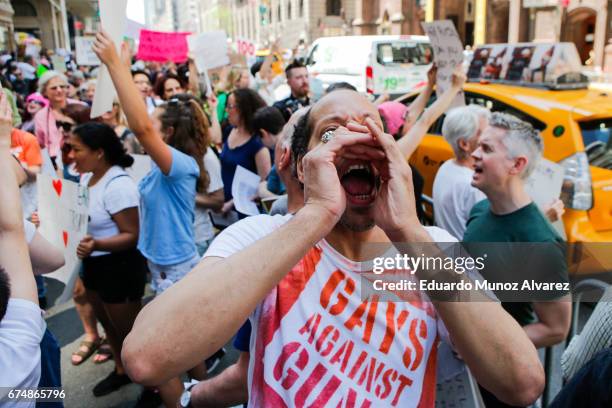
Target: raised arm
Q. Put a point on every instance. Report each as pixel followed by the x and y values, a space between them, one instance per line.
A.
pixel 418 105
pixel 14 257
pixel 411 140
pixel 132 103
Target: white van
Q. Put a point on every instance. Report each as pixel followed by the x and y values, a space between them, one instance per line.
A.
pixel 375 64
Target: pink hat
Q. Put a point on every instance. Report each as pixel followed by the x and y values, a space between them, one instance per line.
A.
pixel 37 97
pixel 394 114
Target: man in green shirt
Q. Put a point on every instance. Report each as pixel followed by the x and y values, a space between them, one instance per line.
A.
pixel 520 244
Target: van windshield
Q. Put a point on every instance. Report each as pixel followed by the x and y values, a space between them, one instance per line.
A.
pixel 597 137
pixel 402 52
pixel 339 58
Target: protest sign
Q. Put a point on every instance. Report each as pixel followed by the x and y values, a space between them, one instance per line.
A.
pixel 448 54
pixel 544 187
pixel 245 47
pixel 63 208
pixel 244 188
pixel 112 18
pixel 84 53
pixel 140 168
pixel 209 50
pixel 162 46
pixel 59 63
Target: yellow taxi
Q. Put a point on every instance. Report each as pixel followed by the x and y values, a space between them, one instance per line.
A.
pixel 576 126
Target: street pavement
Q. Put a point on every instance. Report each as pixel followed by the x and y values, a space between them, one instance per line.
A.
pixel 78 381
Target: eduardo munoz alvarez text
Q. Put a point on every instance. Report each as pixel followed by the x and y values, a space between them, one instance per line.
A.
pixel 457 264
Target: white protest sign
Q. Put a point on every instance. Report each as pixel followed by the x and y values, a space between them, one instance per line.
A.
pixel 59 63
pixel 84 53
pixel 113 20
pixel 140 168
pixel 544 187
pixel 63 208
pixel 244 188
pixel 209 50
pixel 448 53
pixel 47 164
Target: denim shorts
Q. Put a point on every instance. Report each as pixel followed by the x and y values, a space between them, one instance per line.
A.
pixel 164 276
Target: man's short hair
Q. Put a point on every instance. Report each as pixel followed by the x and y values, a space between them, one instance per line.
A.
pixel 460 123
pixel 340 85
pixel 5 292
pixel 300 139
pixel 141 72
pixel 521 139
pixel 295 64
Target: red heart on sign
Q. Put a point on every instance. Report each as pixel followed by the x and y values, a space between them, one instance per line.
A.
pixel 65 236
pixel 57 186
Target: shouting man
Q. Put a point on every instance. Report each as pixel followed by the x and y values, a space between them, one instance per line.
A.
pixel 315 340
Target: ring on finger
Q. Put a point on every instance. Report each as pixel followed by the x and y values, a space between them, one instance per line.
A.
pixel 327 136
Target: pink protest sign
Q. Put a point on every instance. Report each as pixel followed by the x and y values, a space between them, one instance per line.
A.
pixel 162 47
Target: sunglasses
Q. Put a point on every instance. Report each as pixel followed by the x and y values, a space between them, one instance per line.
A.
pixel 66 126
pixel 55 88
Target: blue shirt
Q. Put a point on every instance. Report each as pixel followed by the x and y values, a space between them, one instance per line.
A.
pixel 275 184
pixel 243 155
pixel 167 204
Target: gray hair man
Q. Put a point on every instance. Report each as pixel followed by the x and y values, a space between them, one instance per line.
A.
pixel 453 194
pixel 508 152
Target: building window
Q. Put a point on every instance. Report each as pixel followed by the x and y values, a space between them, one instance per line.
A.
pixel 289 9
pixel 279 16
pixel 334 7
pixel 301 8
pixel 23 8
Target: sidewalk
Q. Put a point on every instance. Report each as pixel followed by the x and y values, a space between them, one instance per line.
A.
pixel 78 381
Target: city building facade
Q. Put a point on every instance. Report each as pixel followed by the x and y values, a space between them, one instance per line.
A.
pixel 55 23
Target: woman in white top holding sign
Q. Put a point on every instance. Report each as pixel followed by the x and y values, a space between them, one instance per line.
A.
pixel 114 272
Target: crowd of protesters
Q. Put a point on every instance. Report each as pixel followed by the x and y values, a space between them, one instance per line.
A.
pixel 281 284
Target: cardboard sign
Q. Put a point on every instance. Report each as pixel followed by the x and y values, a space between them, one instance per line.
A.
pixel 523 63
pixel 112 19
pixel 448 54
pixel 84 53
pixel 209 50
pixel 63 209
pixel 544 187
pixel 162 47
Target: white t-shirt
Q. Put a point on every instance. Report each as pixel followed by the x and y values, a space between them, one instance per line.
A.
pixel 114 192
pixel 202 225
pixel 21 331
pixel 314 342
pixel 454 197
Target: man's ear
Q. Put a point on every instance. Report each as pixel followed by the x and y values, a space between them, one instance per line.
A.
pixel 464 145
pixel 300 170
pixel 520 164
pixel 284 160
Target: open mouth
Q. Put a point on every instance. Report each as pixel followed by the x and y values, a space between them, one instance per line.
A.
pixel 477 171
pixel 359 183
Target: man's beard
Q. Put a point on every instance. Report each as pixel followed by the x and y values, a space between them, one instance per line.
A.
pixel 359 224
